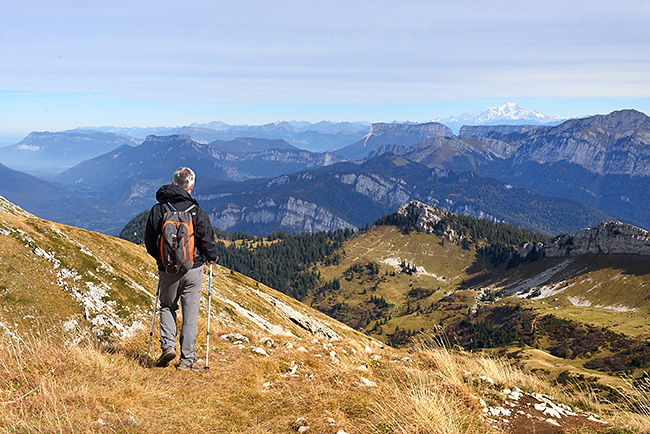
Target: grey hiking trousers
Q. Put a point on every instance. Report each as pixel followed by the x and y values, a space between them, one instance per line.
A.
pixel 186 288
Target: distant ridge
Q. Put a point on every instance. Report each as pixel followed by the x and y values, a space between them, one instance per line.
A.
pixel 507 114
pixel 48 153
pixel 401 134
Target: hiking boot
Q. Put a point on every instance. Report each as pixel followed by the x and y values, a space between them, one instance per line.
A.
pixel 188 367
pixel 167 356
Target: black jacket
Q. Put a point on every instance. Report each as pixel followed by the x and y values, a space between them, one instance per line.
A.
pixel 205 245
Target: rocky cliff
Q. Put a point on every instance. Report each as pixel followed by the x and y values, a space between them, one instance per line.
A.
pixel 492 130
pixel 613 144
pixel 294 215
pixel 393 134
pixel 306 159
pixel 423 130
pixel 611 237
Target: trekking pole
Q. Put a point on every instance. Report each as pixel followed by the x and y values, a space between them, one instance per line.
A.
pixel 153 318
pixel 207 344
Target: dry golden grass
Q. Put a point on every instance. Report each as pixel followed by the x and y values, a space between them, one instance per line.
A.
pixel 49 388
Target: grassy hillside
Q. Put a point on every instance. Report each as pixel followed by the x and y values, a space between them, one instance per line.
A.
pixel 440 267
pixel 75 314
pixel 588 310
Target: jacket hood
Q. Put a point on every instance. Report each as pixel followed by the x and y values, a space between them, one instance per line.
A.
pixel 173 193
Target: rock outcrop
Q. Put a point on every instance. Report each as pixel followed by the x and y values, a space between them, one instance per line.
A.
pixel 312 325
pixel 425 219
pixel 611 237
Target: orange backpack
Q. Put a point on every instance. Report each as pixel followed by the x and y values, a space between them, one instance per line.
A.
pixel 176 240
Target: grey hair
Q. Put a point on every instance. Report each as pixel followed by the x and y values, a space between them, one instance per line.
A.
pixel 184 178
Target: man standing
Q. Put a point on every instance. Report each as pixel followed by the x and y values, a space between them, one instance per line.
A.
pixel 185 287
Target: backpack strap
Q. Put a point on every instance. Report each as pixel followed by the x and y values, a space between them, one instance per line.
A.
pixel 173 208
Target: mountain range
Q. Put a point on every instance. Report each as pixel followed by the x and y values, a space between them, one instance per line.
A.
pixel 602 160
pixel 352 195
pixel 263 184
pixel 316 137
pixel 507 114
pixel 47 153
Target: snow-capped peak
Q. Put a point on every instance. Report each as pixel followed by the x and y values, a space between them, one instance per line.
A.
pixel 508 113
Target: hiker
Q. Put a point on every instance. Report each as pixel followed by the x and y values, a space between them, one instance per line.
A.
pixel 182 285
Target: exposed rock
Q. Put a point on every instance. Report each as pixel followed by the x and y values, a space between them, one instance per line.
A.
pixel 417 130
pixel 367 383
pixel 234 338
pixel 267 342
pixel 260 351
pixel 425 219
pixel 388 191
pixel 613 144
pixel 308 323
pixel 295 215
pixel 300 423
pixel 297 156
pixel 309 217
pixel 611 237
pixel 533 412
pixel 393 133
pixel 439 151
pixel 491 130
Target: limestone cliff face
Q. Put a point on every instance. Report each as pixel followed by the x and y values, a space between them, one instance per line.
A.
pixel 614 144
pixel 490 130
pixel 294 215
pixel 392 192
pixel 307 159
pixel 393 134
pixel 425 130
pixel 611 237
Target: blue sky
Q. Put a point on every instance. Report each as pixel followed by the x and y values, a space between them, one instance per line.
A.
pixel 165 63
